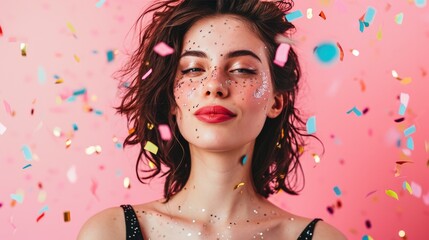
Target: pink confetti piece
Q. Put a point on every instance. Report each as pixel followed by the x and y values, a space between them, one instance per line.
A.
pixel 94 187
pixel 426 199
pixel 165 132
pixel 7 107
pixel 417 189
pixel 282 54
pixel 147 74
pixel 163 49
pixel 2 129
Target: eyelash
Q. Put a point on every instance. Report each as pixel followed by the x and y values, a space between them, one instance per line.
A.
pixel 240 70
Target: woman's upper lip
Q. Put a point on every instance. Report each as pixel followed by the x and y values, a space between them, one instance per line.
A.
pixel 214 110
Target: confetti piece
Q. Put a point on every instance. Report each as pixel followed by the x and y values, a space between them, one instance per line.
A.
pixel 147 74
pixel 79 92
pixel 326 52
pixel 290 17
pixel 40 217
pixel 419 3
pixel 370 193
pixel 330 209
pixel 406 186
pixel 100 3
pixel 110 56
pixel 71 28
pixel 76 58
pixel 3 128
pixel 243 159
pixel 66 215
pixel 337 191
pixel 310 13
pixel 163 49
pixel 165 132
pixel 239 185
pixel 399 18
pixel 322 15
pixel 282 54
pixel 17 197
pixel 404 99
pixel 367 237
pixel 127 183
pixel 75 127
pixel 406 81
pixel 401 233
pixel 341 51
pixel 410 143
pixel 43 209
pixel 426 199
pixel 150 126
pixel 379 34
pixel 316 158
pixel 399 120
pixel 68 143
pixel 27 166
pixel 355 111
pixel 368 224
pixel 57 132
pixel 41 197
pixel 311 125
pixel 355 52
pixel 149 146
pixel 417 189
pixel 93 149
pixel 370 15
pixel 71 174
pixel 410 130
pixel 41 75
pixel 392 194
pixel 151 165
pixel 23 49
pixel 1 32
pixel 27 153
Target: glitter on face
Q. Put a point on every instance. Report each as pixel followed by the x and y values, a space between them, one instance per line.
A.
pixel 263 88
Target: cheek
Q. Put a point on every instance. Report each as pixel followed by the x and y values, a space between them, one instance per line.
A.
pixel 255 90
pixel 185 91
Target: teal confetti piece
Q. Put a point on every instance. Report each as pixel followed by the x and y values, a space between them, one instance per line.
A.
pixel 369 15
pixel 243 159
pixel 118 145
pixel 327 52
pixel 355 111
pixel 420 3
pixel 27 153
pixel 367 237
pixel 17 197
pixel 402 109
pixel 294 15
pixel 71 99
pixel 79 92
pixel 410 131
pixel 110 56
pixel 100 3
pixel 98 112
pixel 43 209
pixel 311 125
pixel 27 166
pixel 75 127
pixel 337 191
pixel 41 75
pixel 410 143
pixel 361 26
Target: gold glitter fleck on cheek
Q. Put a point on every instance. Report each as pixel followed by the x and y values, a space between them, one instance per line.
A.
pixel 239 185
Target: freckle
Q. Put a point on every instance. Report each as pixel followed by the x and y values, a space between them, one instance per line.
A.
pixel 210 32
pixel 201 30
pixel 221 55
pixel 193 43
pixel 198 46
pixel 211 25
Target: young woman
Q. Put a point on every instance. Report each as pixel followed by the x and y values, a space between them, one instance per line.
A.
pixel 236 134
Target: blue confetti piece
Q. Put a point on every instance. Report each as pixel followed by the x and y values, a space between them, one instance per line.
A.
pixel 27 166
pixel 79 92
pixel 337 191
pixel 410 131
pixel 17 197
pixel 398 143
pixel 361 26
pixel 98 112
pixel 110 56
pixel 410 143
pixel 311 125
pixel 420 3
pixel 41 75
pixel 100 3
pixel 356 111
pixel 294 15
pixel 43 209
pixel 27 153
pixel 71 99
pixel 369 15
pixel 367 237
pixel 118 145
pixel 327 52
pixel 243 159
pixel 402 109
pixel 75 127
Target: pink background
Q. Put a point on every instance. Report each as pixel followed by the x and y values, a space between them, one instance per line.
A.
pixel 361 151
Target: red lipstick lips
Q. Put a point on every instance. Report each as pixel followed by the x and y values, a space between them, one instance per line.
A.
pixel 214 114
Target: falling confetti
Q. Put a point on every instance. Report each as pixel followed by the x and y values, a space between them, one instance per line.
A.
pixel 163 49
pixel 316 158
pixel 392 194
pixel 407 186
pixel 326 52
pixel 76 58
pixel 110 56
pixel 66 216
pixel 3 128
pixel 337 191
pixel 243 160
pixel 151 147
pixel 410 143
pixel 355 52
pixel 379 34
pixel 100 3
pixel 399 18
pixel 404 99
pixel 290 17
pixel 40 217
pixel 41 75
pixel 127 183
pixel 27 153
pixel 1 32
pixel 370 15
pixel 310 13
pixel 367 237
pixel 368 224
pixel 27 166
pixel 282 54
pixel 355 111
pixel 311 125
pixel 322 15
pixel 71 174
pixel 410 130
pixel 419 3
pixel 341 51
pixel 23 49
pixel 68 143
pixel 165 132
pixel 147 74
pixel 71 28
pixel 401 233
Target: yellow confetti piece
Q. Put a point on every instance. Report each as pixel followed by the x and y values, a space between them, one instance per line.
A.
pixel 406 80
pixel 59 80
pixel 71 28
pixel 68 143
pixel 151 147
pixel 316 158
pixel 23 49
pixel 76 58
pixel 66 216
pixel 379 34
pixel 151 165
pixel 392 194
pixel 239 185
pixel 300 149
pixel 408 187
pixel 41 197
pixel 127 183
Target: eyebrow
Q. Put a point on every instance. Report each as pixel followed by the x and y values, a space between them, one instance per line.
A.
pixel 237 53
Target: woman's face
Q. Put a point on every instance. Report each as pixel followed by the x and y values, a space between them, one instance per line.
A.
pixel 223 88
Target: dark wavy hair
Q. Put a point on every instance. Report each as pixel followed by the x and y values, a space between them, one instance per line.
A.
pixel 147 103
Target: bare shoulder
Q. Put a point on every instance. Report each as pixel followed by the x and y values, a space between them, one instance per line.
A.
pixel 107 224
pixel 324 230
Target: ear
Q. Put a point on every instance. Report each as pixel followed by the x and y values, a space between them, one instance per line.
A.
pixel 173 110
pixel 277 106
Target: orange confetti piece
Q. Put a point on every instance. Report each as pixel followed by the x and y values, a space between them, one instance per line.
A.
pixel 322 15
pixel 392 194
pixel 341 51
pixel 132 130
pixel 362 86
pixel 66 216
pixel 406 80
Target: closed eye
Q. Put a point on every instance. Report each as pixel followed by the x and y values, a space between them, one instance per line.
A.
pixel 192 70
pixel 243 71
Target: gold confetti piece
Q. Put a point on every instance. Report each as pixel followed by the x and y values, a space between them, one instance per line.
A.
pixel 71 28
pixel 66 216
pixel 151 147
pixel 300 149
pixel 392 194
pixel 379 34
pixel 316 158
pixel 355 52
pixel 68 143
pixel 239 185
pixel 150 126
pixel 406 80
pixel 151 165
pixel 23 49
pixel 59 80
pixel 76 58
pixel 127 183
pixel 408 187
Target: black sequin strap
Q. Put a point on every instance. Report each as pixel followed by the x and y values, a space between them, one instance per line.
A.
pixel 307 233
pixel 132 224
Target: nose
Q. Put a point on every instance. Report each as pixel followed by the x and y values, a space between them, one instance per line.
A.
pixel 217 85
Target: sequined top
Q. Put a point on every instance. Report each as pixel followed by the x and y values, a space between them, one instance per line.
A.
pixel 134 232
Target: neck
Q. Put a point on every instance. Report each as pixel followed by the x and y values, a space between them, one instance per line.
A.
pixel 219 185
